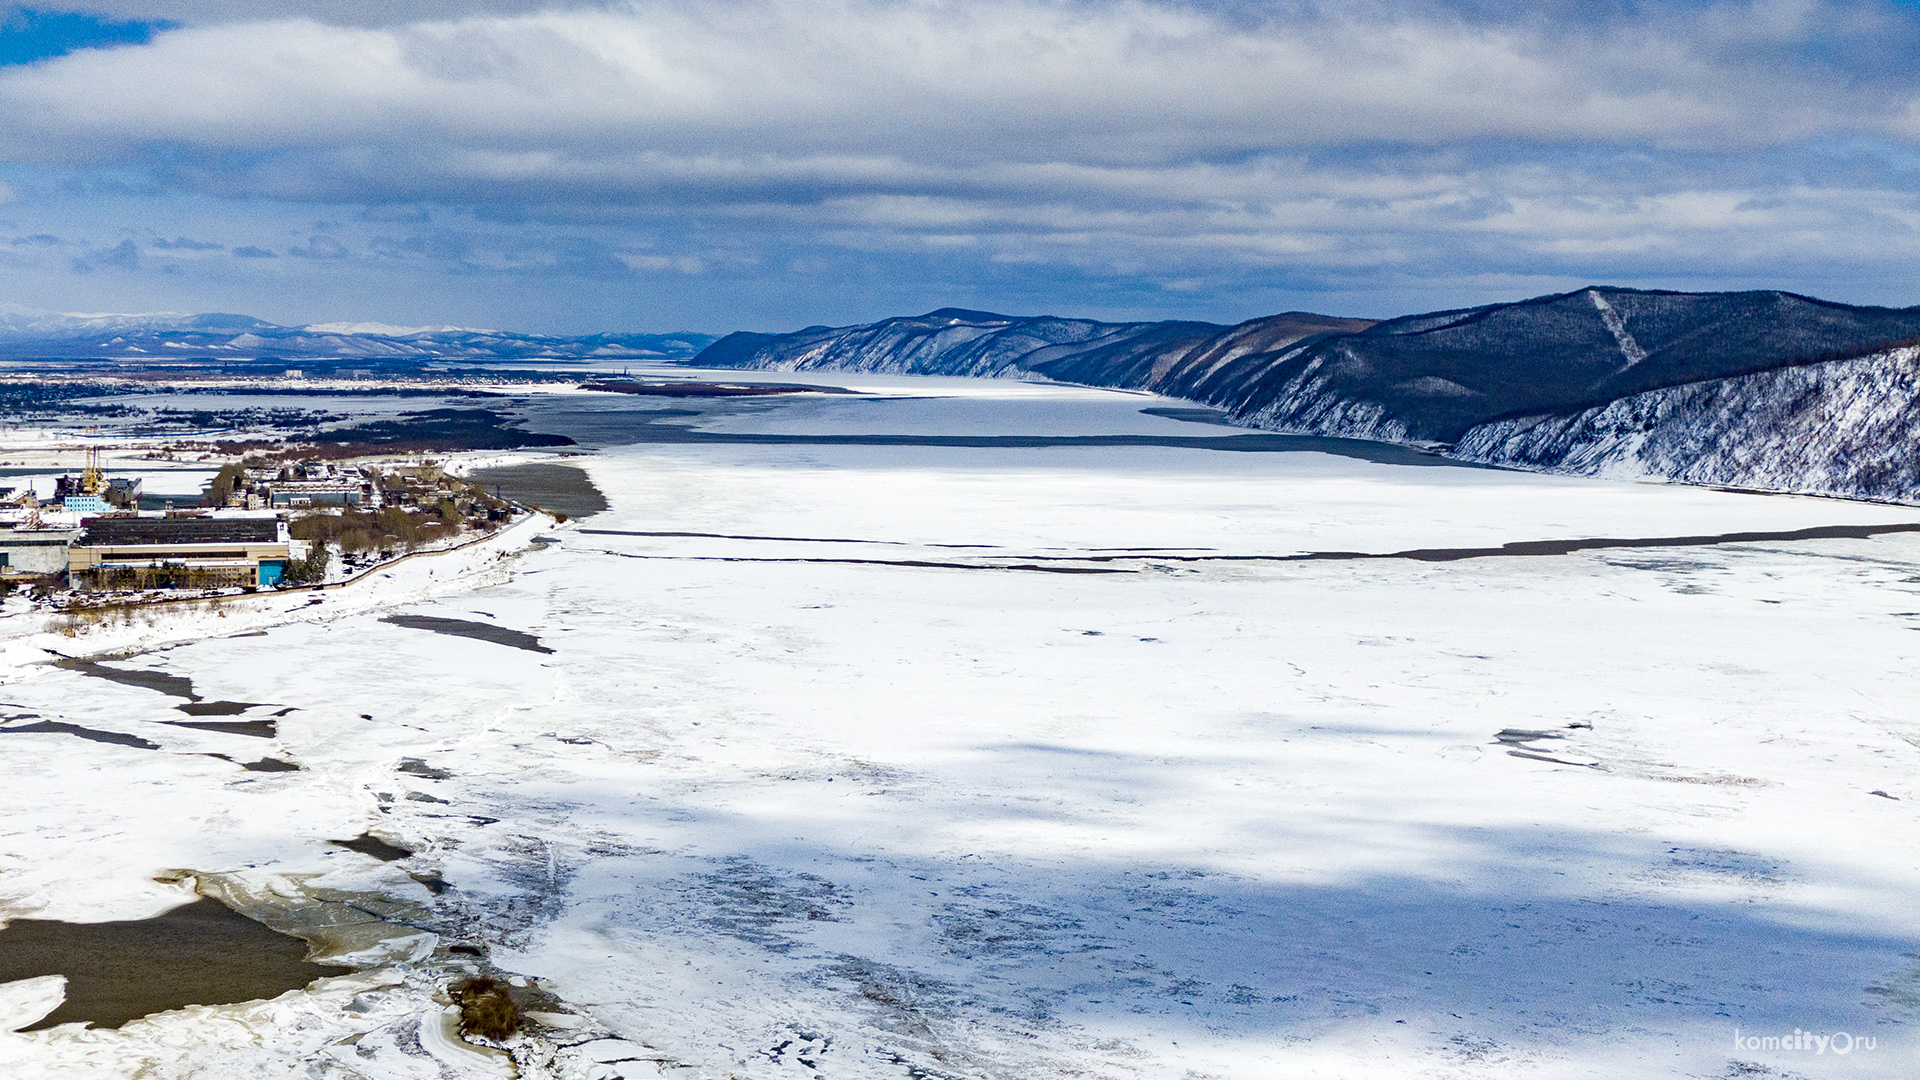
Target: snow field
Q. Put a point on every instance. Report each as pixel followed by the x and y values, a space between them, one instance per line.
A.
pixel 763 817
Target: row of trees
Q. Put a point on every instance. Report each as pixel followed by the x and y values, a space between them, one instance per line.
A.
pixel 222 487
pixel 389 527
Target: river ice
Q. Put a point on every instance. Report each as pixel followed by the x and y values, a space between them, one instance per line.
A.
pixel 885 766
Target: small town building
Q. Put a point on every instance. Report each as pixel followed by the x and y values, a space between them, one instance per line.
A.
pixel 178 552
pixel 309 483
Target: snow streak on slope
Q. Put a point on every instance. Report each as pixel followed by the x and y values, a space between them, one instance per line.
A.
pixel 1847 428
pixel 1629 348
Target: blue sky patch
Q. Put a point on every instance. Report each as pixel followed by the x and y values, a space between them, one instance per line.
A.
pixel 28 35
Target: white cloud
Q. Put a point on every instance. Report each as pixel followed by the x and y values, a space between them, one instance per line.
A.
pixel 320 247
pixel 1136 141
pixel 657 263
pixel 855 94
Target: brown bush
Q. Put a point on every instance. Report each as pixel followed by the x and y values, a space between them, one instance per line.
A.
pixel 485 1009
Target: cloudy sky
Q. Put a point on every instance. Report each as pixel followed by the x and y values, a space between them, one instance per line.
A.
pixel 766 164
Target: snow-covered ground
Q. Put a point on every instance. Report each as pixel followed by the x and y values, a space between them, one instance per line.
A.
pixel 971 762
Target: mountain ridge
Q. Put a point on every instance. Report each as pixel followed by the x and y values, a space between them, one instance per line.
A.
pixel 1440 379
pixel 219 335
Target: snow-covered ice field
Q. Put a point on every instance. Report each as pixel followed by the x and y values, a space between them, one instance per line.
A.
pixel 919 761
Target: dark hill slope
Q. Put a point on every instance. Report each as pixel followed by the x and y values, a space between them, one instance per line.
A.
pixel 1435 376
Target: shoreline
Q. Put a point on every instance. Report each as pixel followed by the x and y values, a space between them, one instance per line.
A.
pixel 197 618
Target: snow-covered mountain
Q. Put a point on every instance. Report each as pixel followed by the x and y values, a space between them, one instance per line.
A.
pixel 1763 389
pixel 955 341
pixel 1848 428
pixel 37 335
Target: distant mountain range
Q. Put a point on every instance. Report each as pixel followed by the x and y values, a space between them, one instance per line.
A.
pixel 1768 390
pixel 229 337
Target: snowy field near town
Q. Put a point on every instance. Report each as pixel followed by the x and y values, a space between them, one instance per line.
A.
pixel 935 762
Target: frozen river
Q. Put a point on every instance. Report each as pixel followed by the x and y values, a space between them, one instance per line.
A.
pixel 870 758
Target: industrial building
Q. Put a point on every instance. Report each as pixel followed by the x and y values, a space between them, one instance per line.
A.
pixel 93 492
pixel 178 552
pixel 317 493
pixel 33 553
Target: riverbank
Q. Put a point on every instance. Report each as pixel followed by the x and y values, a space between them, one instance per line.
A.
pixel 32 636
